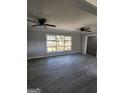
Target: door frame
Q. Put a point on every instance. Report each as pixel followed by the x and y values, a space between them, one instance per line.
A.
pixel 87 41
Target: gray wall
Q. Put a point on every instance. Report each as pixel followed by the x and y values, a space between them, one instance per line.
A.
pixel 36 42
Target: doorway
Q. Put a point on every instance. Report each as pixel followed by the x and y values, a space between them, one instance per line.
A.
pixel 92 45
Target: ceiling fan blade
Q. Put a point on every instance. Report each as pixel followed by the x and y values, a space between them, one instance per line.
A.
pixel 50 25
pixel 36 25
pixel 32 21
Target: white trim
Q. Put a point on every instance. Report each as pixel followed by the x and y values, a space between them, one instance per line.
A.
pixel 51 55
pixel 86 44
pixel 83 43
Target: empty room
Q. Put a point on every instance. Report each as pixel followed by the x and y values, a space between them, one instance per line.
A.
pixel 62 46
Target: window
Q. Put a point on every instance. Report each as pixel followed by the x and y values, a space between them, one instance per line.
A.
pixel 58 43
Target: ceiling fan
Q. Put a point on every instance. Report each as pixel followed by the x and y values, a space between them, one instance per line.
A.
pixel 85 29
pixel 41 22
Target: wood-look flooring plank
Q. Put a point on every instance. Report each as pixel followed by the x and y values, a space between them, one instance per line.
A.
pixel 74 73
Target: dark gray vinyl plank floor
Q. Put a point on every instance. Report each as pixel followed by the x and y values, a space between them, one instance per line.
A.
pixel 74 73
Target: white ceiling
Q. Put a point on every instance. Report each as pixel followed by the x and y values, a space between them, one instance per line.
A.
pixel 65 14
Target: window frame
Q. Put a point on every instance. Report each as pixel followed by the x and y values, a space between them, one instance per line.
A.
pixel 65 46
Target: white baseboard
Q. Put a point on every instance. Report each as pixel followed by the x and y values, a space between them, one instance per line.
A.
pixel 51 55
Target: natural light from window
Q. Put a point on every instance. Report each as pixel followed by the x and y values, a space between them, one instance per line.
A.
pixel 59 43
